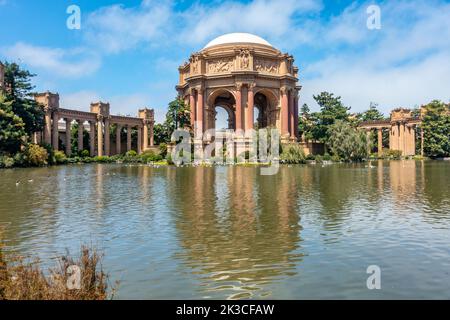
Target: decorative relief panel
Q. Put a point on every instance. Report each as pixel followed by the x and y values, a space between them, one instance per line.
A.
pixel 220 65
pixel 266 65
pixel 244 57
pixel 194 64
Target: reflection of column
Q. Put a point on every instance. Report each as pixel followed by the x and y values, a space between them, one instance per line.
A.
pixel 284 112
pixel 291 114
pixel 118 139
pixel 99 138
pixel 80 135
pixel 152 134
pixel 413 140
pixel 238 106
pixel 92 138
pixel 68 137
pixel 128 138
pixel 380 141
pixel 250 107
pixel 145 144
pixel 107 138
pixel 139 140
pixel 48 127
pixel 55 133
pixel 421 141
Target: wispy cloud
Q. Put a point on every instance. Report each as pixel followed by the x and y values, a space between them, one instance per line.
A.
pixel 71 63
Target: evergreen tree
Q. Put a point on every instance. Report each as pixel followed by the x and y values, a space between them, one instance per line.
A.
pixel 436 128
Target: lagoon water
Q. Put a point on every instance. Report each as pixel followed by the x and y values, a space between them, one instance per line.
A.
pixel 231 233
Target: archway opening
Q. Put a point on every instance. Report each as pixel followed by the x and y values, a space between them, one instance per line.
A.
pixel 262 111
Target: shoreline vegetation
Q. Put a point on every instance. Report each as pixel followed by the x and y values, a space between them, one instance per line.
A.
pixel 79 278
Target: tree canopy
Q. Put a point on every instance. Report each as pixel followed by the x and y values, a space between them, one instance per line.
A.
pixel 436 128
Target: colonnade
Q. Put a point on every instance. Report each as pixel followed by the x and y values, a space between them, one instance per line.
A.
pixel 244 94
pixel 99 127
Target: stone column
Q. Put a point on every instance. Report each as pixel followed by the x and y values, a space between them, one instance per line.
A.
pixel 92 138
pixel 413 140
pixel 100 137
pixel 238 106
pixel 80 135
pixel 380 141
pixel 118 139
pixel 139 140
pixel 68 137
pixel 192 105
pixel 145 144
pixel 401 138
pixel 152 134
pixel 291 115
pixel 296 133
pixel 129 138
pixel 107 138
pixel 200 111
pixel 55 132
pixel 48 127
pixel 368 141
pixel 284 113
pixel 250 107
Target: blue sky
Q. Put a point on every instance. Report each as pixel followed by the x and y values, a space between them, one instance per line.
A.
pixel 127 52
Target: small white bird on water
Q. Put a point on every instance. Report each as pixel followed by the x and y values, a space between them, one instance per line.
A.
pixel 17 183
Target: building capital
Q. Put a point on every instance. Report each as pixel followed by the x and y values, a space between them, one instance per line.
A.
pixel 239 85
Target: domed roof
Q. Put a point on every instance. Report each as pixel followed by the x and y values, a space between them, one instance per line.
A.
pixel 237 38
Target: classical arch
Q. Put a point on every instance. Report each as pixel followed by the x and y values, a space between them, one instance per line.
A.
pixel 225 99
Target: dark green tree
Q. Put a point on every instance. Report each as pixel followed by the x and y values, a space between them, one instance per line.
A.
pixel 347 142
pixel 306 123
pixel 178 116
pixel 12 128
pixel 331 110
pixel 436 129
pixel 372 114
pixel 20 92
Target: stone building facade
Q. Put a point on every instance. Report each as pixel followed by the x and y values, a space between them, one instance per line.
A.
pixel 240 73
pixel 402 127
pixel 98 124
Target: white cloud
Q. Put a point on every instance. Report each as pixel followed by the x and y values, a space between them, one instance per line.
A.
pixel 65 63
pixel 116 28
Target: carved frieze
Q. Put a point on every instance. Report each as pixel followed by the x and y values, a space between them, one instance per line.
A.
pixel 220 65
pixel 265 65
pixel 195 62
pixel 244 59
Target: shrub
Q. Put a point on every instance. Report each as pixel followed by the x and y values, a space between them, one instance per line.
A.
pixel 310 157
pixel 392 154
pixel 163 150
pixel 19 159
pixel 51 153
pixel 102 159
pixel 335 158
pixel 36 155
pixel 131 153
pixel 319 158
pixel 85 153
pixel 60 157
pixel 169 159
pixel 292 154
pixel 326 157
pixel 150 156
pixel 6 162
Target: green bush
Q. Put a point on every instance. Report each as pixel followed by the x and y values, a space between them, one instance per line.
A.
pixel 336 158
pixel 36 155
pixel 51 153
pixel 310 157
pixel 169 159
pixel 319 158
pixel 60 157
pixel 85 154
pixel 163 150
pixel 150 156
pixel 392 154
pixel 327 157
pixel 102 159
pixel 6 162
pixel 292 154
pixel 19 159
pixel 131 153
